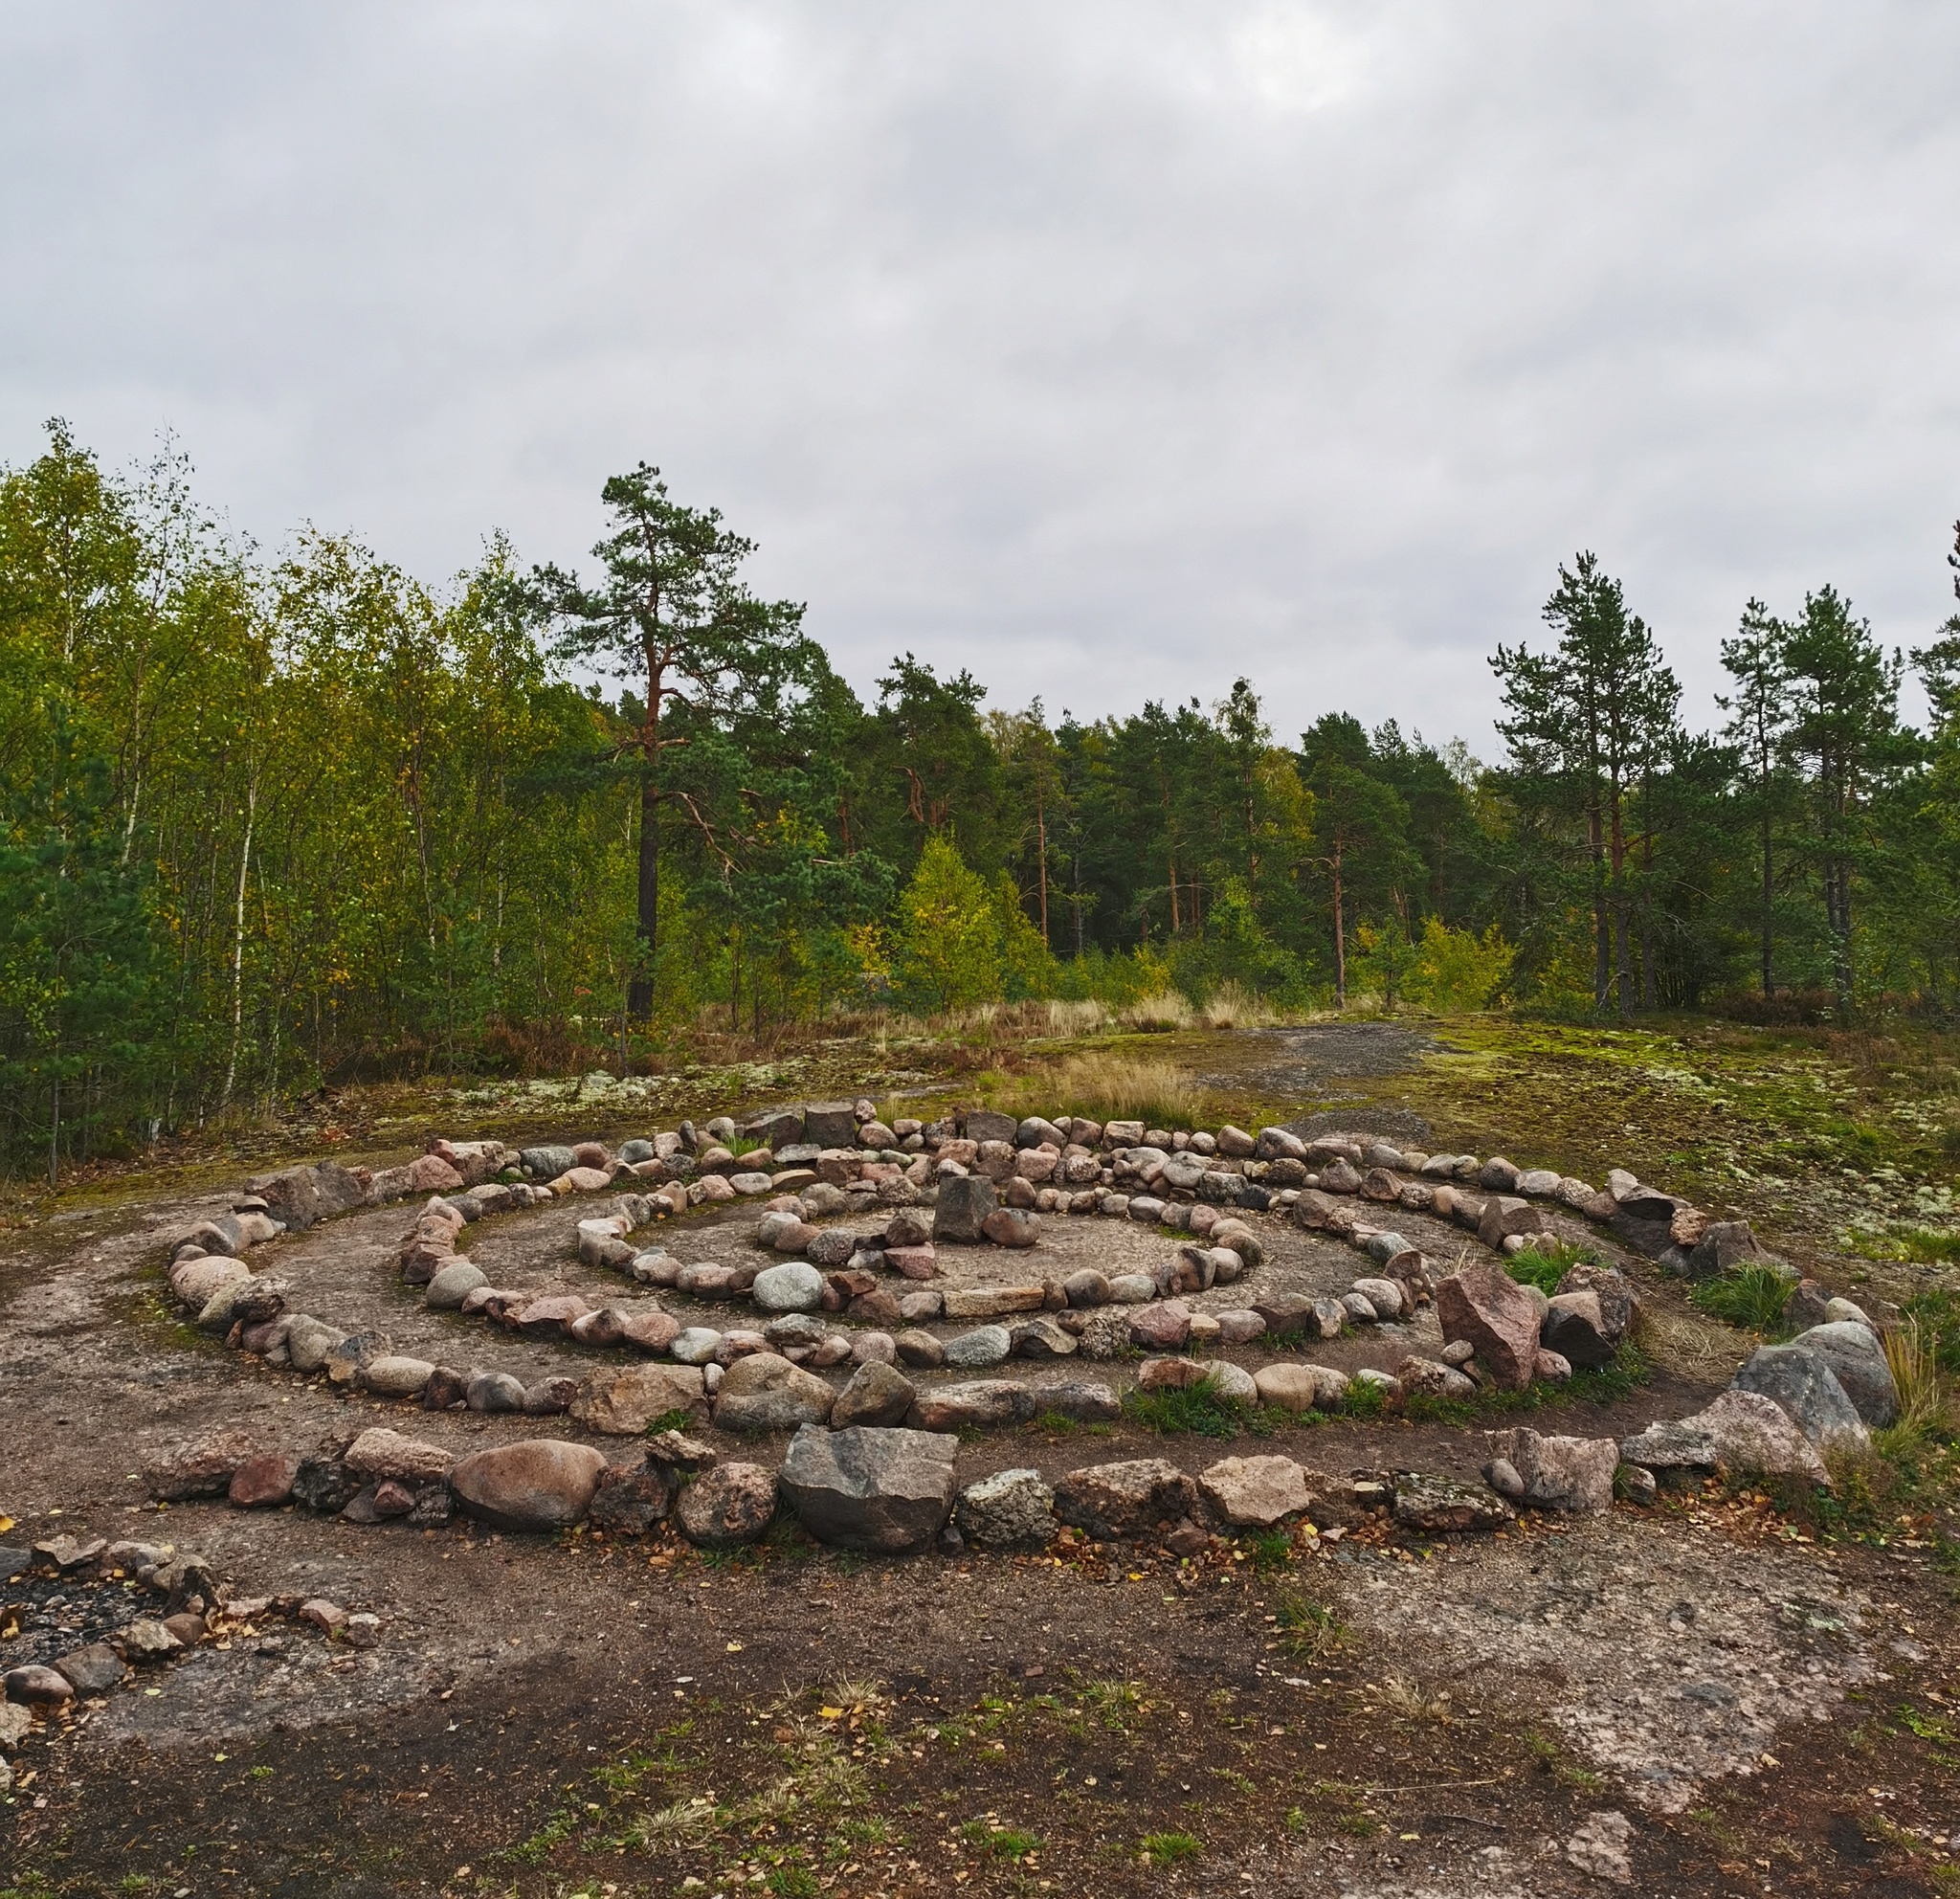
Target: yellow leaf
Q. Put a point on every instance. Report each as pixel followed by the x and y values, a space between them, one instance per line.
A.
pixel 734 1648
pixel 831 1713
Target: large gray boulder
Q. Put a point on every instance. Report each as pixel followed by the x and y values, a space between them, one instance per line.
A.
pixel 622 1401
pixel 1085 1400
pixel 1575 1328
pixel 1856 1356
pixel 977 1404
pixel 299 1196
pixel 1724 1245
pixel 1255 1493
pixel 960 1213
pixel 869 1487
pixel 1743 1432
pixel 794 1287
pixel 1618 1301
pixel 1432 1504
pixel 829 1124
pixel 1803 1383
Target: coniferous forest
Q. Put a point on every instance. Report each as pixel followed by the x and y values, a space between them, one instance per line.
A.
pixel 273 823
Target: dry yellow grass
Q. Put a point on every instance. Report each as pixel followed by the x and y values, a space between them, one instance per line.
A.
pixel 1678 1339
pixel 1159 1014
pixel 1110 1088
pixel 1235 1008
pixel 1916 1371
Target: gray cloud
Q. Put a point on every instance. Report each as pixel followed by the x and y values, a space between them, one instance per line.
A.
pixel 1106 350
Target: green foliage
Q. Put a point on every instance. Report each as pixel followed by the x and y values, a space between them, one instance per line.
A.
pixel 1456 970
pixel 1166 1849
pixel 951 948
pixel 1202 1409
pixel 1545 1264
pixel 1750 1296
pixel 1364 1399
pixel 1309 1628
pixel 1000 1843
pixel 266 824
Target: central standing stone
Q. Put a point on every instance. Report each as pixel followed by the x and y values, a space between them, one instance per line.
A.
pixel 965 1203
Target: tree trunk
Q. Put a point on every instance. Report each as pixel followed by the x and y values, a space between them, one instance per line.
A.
pixel 1339 940
pixel 1624 974
pixel 1769 894
pixel 238 941
pixel 639 999
pixel 1837 888
pixel 1602 920
pixel 1042 857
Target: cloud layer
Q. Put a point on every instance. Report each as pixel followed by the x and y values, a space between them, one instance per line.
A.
pixel 1106 350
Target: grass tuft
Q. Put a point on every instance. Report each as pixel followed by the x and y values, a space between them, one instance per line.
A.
pixel 1915 1367
pixel 1202 1410
pixel 1166 1849
pixel 1309 1629
pixel 1752 1297
pixel 1002 1842
pixel 1544 1264
pixel 1162 1013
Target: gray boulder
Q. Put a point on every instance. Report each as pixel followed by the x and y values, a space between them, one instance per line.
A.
pixel 1618 1303
pixel 1856 1356
pixel 979 1404
pixel 1742 1431
pixel 494 1391
pixel 983 1347
pixel 1255 1491
pixel 767 1392
pixel 447 1288
pixel 878 1393
pixel 1436 1503
pixel 1083 1400
pixel 871 1489
pixel 1803 1383
pixel 794 1287
pixel 966 1201
pixel 1724 1243
pixel 1572 1474
pixel 1574 1327
pixel 298 1197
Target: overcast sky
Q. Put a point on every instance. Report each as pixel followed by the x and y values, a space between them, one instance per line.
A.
pixel 1109 351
